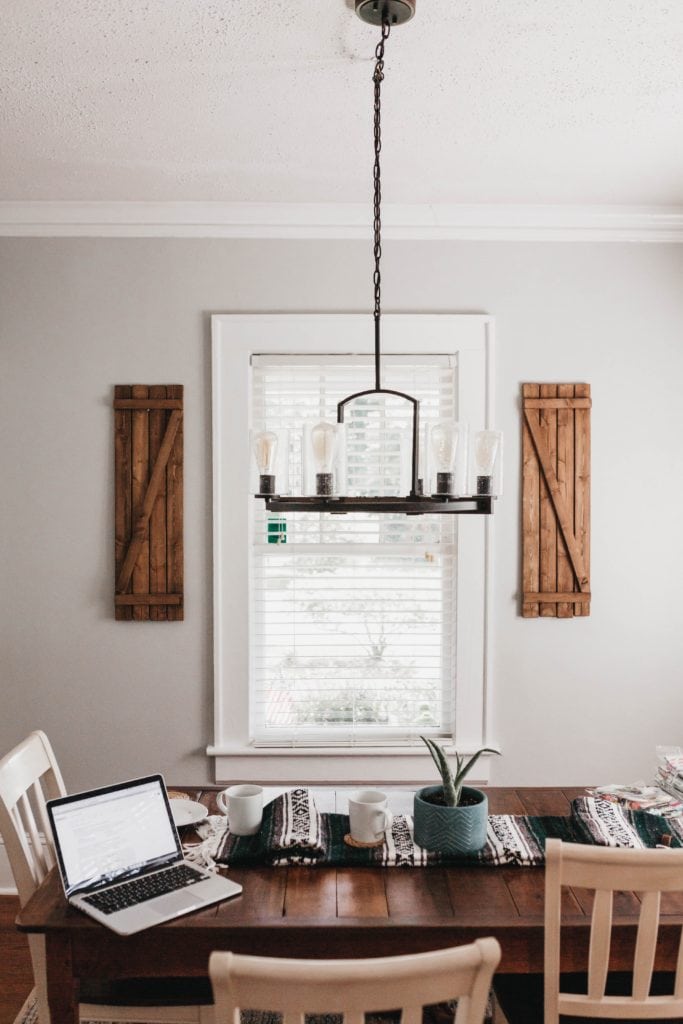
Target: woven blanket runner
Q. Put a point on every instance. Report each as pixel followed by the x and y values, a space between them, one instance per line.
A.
pixel 295 832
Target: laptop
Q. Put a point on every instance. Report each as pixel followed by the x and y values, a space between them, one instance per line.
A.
pixel 121 861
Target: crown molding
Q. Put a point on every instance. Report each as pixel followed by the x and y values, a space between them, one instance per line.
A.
pixel 440 222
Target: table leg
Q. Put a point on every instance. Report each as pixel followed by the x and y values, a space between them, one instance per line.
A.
pixel 62 987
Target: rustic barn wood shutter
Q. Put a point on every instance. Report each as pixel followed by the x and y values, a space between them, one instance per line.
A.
pixel 148 514
pixel 556 500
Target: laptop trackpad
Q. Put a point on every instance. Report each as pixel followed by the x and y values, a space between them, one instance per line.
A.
pixel 175 903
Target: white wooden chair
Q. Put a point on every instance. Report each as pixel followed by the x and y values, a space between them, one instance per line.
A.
pixel 604 870
pixel 29 775
pixel 355 987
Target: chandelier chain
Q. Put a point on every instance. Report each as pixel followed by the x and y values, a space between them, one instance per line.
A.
pixel 378 78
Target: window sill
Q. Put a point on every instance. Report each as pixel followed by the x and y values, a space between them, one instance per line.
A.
pixel 352 765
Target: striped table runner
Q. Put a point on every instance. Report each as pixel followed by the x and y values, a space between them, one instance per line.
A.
pixel 295 832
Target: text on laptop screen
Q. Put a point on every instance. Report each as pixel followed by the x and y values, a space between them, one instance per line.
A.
pixel 113 833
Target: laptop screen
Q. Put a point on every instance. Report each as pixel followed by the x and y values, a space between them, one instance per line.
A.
pixel 112 833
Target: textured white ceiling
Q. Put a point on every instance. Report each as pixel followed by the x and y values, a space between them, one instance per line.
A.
pixel 485 101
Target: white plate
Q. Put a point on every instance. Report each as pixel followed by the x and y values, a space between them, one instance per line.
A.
pixel 187 812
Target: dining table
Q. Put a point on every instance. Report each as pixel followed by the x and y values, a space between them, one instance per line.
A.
pixel 320 911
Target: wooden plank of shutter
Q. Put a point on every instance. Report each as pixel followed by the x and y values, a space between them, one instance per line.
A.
pixel 148 480
pixel 530 510
pixel 582 454
pixel 148 403
pixel 122 486
pixel 174 514
pixel 548 554
pixel 565 473
pixel 157 521
pixel 555 500
pixel 140 463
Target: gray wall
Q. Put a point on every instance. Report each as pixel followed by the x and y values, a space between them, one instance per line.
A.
pixel 575 700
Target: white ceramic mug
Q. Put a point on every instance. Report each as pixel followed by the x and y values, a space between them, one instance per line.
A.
pixel 368 815
pixel 244 808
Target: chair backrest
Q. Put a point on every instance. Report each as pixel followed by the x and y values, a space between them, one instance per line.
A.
pixel 29 776
pixel 355 987
pixel 606 870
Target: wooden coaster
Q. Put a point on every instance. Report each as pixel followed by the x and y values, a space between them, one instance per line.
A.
pixel 350 841
pixel 175 794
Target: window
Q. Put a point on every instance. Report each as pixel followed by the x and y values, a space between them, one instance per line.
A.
pixel 338 640
pixel 352 617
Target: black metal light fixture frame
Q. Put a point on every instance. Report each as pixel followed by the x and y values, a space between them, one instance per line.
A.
pixel 384 13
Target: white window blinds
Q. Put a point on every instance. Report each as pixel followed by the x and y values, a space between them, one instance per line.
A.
pixel 352 617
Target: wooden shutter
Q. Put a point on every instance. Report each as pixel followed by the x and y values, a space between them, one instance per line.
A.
pixel 556 500
pixel 148 433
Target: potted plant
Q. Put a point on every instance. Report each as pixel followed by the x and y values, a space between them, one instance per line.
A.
pixel 451 818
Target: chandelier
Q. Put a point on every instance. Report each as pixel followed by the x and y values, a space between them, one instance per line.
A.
pixel 445 438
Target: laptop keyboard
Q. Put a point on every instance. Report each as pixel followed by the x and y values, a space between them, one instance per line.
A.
pixel 139 890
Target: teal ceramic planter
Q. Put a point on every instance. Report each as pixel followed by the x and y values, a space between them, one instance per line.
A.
pixel 450 829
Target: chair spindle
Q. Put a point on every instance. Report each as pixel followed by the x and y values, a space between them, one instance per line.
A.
pixel 646 944
pixel 601 934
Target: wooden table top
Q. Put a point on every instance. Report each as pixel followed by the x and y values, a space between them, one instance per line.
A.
pixel 352 911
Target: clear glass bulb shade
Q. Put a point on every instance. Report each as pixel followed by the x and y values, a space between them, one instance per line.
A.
pixel 486 448
pixel 265 450
pixel 443 441
pixel 324 437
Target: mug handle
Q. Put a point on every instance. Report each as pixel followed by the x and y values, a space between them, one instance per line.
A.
pixel 388 819
pixel 220 801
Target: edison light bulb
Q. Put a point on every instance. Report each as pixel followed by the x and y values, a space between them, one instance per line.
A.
pixel 444 444
pixel 265 450
pixel 486 448
pixel 324 438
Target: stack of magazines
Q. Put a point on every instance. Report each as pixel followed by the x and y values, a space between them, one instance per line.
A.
pixel 640 797
pixel 669 775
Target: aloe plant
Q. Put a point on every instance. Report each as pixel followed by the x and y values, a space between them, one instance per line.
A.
pixel 453 780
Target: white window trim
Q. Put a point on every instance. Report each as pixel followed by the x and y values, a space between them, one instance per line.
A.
pixel 235 338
